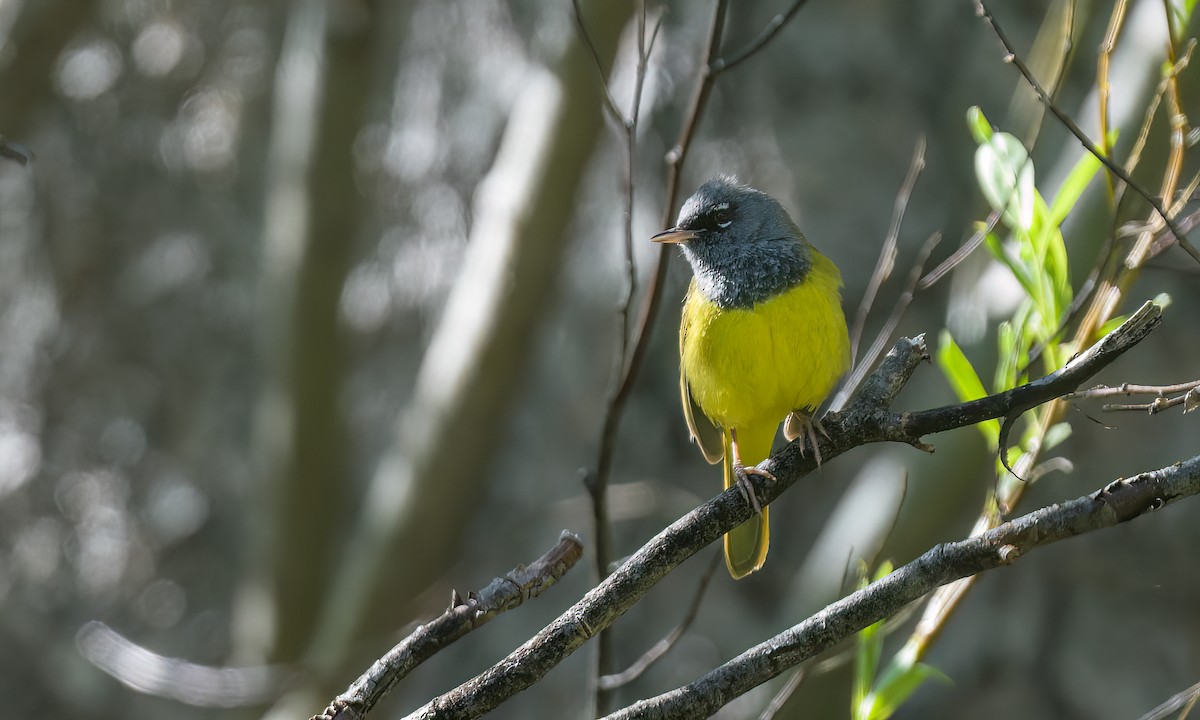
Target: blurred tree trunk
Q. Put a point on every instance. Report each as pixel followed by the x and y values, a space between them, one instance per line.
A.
pixel 408 530
pixel 311 227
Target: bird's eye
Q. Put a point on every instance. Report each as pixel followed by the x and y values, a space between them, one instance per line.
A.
pixel 723 218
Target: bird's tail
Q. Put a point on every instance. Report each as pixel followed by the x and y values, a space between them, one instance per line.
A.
pixel 746 545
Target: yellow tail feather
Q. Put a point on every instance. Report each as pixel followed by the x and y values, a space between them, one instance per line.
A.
pixel 746 545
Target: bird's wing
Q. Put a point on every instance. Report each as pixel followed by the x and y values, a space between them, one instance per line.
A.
pixel 704 432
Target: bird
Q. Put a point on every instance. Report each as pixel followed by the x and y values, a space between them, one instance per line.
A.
pixel 762 340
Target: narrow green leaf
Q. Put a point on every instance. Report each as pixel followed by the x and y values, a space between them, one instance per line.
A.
pixel 1072 188
pixel 1006 362
pixel 869 648
pixel 866 664
pixel 981 129
pixel 894 688
pixel 965 382
pixel 1112 324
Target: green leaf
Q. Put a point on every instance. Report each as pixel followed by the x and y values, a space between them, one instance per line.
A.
pixel 866 664
pixel 897 685
pixel 1112 324
pixel 1050 259
pixel 1055 435
pixel 869 650
pixel 1006 363
pixel 979 126
pixel 1072 188
pixel 998 251
pixel 1005 176
pixel 1180 15
pixel 965 382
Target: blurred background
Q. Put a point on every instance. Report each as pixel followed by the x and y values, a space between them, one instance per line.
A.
pixel 309 311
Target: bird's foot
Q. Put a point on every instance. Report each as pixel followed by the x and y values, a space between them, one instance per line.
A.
pixel 806 427
pixel 743 473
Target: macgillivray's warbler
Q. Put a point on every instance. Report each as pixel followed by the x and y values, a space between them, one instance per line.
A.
pixel 763 338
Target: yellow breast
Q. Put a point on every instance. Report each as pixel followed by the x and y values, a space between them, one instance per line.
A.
pixel 749 366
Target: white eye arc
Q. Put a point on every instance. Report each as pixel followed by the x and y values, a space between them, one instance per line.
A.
pixel 722 216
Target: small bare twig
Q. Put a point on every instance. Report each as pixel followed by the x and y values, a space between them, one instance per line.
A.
pixel 772 28
pixel 785 693
pixel 662 647
pixel 961 253
pixel 1189 400
pixel 1186 394
pixel 864 364
pixel 1129 389
pixel 1184 701
pixel 1116 169
pixel 597 482
pixel 610 103
pixel 1103 88
pixel 887 252
pixel 502 594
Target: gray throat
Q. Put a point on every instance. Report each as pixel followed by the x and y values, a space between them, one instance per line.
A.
pixel 742 280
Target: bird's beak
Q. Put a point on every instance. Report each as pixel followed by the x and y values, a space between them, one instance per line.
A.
pixel 674 235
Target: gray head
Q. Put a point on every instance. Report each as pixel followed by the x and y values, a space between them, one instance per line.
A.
pixel 741 243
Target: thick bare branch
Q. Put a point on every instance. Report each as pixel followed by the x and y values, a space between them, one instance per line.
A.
pixel 1116 502
pixel 867 419
pixel 504 593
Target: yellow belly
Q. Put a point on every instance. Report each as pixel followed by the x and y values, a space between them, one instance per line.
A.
pixel 754 366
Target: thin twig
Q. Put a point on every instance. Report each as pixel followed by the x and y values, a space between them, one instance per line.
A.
pixel 610 103
pixel 1143 136
pixel 765 36
pixel 632 355
pixel 962 252
pixel 1185 700
pixel 1012 57
pixel 785 693
pixel 597 483
pixel 863 366
pixel 502 594
pixel 1190 400
pixel 1103 88
pixel 1175 117
pixel 1128 389
pixel 662 647
pixel 887 252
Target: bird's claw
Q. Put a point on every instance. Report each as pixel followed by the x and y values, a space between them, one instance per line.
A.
pixel 743 473
pixel 809 429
